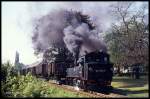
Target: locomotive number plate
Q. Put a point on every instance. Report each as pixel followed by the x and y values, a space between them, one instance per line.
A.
pixel 101 70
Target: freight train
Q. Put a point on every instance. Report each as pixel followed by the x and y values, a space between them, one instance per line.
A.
pixel 93 71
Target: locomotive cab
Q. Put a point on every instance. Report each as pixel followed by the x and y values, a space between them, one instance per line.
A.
pixel 96 69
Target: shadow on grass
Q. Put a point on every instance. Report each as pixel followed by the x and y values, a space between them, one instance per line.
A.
pixel 133 85
pixel 129 82
pixel 127 92
pixel 129 79
pixel 128 86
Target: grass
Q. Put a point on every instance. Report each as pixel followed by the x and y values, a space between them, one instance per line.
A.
pixel 127 86
pixel 59 92
pixel 131 87
pixel 29 86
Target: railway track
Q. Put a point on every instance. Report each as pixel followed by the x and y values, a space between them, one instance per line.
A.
pixel 90 94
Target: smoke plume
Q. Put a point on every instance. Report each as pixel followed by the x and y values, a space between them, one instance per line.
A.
pixel 66 28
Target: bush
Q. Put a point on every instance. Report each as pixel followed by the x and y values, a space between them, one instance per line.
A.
pixel 7 70
pixel 23 86
pixel 16 85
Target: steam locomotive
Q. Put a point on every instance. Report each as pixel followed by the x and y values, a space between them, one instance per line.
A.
pixel 93 71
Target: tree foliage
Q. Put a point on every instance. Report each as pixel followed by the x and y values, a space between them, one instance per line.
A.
pixel 57 54
pixel 7 69
pixel 128 37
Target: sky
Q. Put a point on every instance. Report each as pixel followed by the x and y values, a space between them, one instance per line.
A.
pixel 17 20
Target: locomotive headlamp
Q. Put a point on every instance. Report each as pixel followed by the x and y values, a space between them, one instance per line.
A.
pixel 111 69
pixel 105 59
pixel 90 69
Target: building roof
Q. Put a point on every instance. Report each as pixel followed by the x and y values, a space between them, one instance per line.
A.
pixel 33 64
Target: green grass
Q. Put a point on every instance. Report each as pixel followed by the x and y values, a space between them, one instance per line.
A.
pixel 59 92
pixel 131 87
pixel 30 86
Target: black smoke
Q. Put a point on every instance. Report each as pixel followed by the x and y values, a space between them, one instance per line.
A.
pixel 70 29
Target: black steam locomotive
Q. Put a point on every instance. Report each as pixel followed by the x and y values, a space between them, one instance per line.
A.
pixel 93 71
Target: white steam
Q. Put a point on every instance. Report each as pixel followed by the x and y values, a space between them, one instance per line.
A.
pixel 83 37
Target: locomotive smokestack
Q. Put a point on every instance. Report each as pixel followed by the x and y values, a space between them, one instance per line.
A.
pixel 76 54
pixel 75 61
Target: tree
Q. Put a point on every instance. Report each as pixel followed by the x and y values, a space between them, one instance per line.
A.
pixel 128 37
pixel 54 53
pixel 7 70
